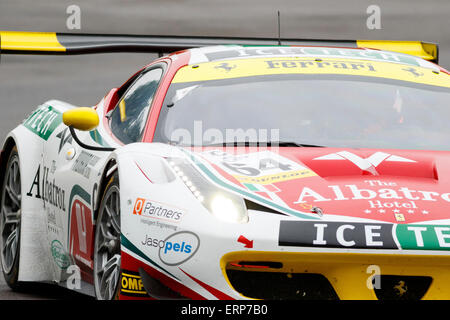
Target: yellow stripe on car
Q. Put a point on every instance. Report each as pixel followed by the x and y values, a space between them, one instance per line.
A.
pixel 122 109
pixel 350 273
pixel 276 177
pixel 30 41
pixel 306 65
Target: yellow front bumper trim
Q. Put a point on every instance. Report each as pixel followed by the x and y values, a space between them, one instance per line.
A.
pixel 350 274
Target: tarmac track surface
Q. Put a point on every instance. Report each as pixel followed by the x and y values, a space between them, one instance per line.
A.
pixel 27 81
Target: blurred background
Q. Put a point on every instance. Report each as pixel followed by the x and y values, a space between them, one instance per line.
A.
pixel 27 81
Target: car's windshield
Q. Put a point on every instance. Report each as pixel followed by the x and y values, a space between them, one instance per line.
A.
pixel 322 110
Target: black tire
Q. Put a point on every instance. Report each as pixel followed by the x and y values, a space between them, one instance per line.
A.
pixel 107 243
pixel 10 203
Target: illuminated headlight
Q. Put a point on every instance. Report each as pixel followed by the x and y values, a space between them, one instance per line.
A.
pixel 227 210
pixel 223 205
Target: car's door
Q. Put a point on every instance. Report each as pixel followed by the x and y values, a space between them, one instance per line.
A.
pixel 71 175
pixel 69 178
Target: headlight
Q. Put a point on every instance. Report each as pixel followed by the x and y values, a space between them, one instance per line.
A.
pixel 222 204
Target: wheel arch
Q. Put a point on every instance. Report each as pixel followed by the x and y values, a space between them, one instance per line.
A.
pixel 109 169
pixel 9 144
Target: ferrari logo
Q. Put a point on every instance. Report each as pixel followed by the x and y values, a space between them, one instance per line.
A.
pixel 401 288
pixel 226 66
pixel 413 72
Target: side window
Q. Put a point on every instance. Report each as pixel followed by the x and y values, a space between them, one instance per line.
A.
pixel 129 116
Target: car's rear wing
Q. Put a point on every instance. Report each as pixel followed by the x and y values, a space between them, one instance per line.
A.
pixel 76 43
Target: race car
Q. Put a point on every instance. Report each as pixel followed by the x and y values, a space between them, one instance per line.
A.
pixel 236 169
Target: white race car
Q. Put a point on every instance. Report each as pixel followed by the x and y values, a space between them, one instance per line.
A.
pixel 236 172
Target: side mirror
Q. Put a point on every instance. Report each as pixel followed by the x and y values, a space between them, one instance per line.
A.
pixel 83 118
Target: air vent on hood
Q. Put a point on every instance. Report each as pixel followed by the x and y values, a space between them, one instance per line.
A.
pixel 256 206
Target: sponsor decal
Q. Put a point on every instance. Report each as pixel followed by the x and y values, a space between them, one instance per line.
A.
pixel 81 226
pixel 52 223
pixel 159 224
pixel 43 121
pixel 179 247
pixel 131 284
pixel 304 64
pixel 312 51
pixel 59 255
pixel 157 210
pixel 381 196
pixel 84 162
pixel 366 164
pixel 47 189
pixel 364 235
pixel 64 137
pixel 175 249
pixel 423 237
pixel 375 198
pixel 153 242
pixel 275 66
pixel 258 171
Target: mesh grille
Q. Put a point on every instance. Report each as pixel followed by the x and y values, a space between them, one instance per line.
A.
pixel 281 286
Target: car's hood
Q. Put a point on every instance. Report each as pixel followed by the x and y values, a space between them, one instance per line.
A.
pixel 397 186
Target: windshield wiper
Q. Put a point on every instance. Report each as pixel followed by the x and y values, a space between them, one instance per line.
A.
pixel 259 144
pixel 295 144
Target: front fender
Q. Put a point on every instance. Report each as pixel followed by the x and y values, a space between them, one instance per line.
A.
pixel 34 263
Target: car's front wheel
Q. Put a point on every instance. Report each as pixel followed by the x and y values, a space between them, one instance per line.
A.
pixel 11 205
pixel 107 257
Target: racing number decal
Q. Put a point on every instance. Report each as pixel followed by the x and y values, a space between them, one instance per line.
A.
pixel 81 227
pixel 257 169
pixel 81 233
pixel 265 164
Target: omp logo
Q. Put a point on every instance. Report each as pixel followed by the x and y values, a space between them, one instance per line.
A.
pixel 131 284
pixel 367 164
pixel 157 210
